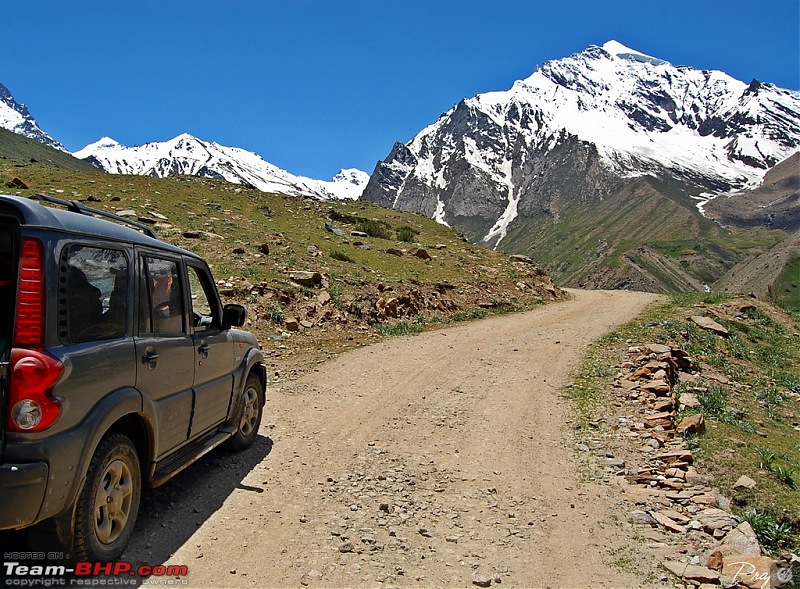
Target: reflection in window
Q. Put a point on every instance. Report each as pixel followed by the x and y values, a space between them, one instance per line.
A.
pixel 165 296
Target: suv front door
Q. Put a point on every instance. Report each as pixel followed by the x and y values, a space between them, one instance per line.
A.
pixel 214 352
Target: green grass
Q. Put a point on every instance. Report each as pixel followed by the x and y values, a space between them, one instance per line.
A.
pixel 402 328
pixel 774 536
pixel 21 153
pixel 786 289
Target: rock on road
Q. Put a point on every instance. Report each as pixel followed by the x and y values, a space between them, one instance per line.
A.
pixel 438 460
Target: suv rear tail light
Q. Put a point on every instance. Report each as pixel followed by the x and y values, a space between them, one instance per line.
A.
pixel 29 325
pixel 32 372
pixel 32 376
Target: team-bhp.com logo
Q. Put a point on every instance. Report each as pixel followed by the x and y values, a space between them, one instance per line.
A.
pixel 98 574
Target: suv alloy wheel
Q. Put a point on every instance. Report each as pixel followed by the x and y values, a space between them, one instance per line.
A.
pixel 109 501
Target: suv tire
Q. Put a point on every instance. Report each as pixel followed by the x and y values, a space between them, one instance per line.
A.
pixel 107 506
pixel 249 416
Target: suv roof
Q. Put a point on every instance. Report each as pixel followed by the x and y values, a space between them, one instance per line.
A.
pixel 34 214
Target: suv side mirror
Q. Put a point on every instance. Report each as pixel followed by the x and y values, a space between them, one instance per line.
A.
pixel 233 315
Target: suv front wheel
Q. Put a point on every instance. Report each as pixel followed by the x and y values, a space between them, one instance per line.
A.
pixel 109 501
pixel 249 417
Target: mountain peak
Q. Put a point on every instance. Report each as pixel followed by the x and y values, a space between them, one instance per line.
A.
pixel 15 117
pixel 102 144
pixel 577 130
pixel 618 49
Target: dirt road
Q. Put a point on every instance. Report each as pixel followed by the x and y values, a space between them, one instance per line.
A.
pixel 440 460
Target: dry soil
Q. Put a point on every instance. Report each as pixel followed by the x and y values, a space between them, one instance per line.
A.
pixel 438 460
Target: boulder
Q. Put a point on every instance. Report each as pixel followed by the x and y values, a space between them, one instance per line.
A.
pixel 421 254
pixel 692 424
pixel 756 572
pixel 668 522
pixel 660 388
pixel 709 324
pixel 17 183
pixel 689 400
pixel 714 519
pixel 521 258
pixel 335 230
pixel 676 456
pixel 744 482
pixel 740 540
pixel 324 298
pixel 657 348
pixel 305 278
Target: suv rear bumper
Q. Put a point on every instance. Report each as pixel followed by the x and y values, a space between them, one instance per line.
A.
pixel 23 486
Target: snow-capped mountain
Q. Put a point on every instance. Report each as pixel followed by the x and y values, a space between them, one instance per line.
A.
pixel 189 155
pixel 577 130
pixel 16 118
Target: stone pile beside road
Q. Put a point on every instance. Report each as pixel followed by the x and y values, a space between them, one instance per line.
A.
pixel 688 523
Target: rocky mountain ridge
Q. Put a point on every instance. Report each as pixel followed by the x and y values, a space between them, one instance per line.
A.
pixel 186 154
pixel 578 130
pixel 16 117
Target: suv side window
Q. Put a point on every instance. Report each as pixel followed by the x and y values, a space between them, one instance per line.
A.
pixel 161 305
pixel 93 294
pixel 205 312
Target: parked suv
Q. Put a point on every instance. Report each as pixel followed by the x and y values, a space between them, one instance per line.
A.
pixel 119 367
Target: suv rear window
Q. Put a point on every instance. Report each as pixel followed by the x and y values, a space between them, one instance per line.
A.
pixel 93 294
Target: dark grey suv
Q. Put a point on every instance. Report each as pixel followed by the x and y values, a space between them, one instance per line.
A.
pixel 119 367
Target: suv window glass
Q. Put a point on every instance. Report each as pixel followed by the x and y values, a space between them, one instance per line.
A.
pixel 202 310
pixel 93 294
pixel 165 299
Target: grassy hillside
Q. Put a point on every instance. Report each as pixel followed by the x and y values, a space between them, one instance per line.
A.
pixel 17 150
pixel 398 272
pixel 645 237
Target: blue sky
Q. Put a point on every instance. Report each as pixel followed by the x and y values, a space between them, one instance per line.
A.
pixel 314 86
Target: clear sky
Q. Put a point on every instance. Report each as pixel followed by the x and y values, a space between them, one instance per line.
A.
pixel 314 86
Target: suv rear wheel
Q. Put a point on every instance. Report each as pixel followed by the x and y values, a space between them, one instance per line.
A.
pixel 109 501
pixel 251 408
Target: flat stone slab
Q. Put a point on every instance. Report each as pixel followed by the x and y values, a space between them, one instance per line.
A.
pixel 691 572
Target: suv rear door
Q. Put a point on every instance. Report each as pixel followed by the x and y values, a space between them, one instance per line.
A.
pixel 165 352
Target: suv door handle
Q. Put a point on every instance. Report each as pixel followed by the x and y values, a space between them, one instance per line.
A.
pixel 149 357
pixel 203 350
